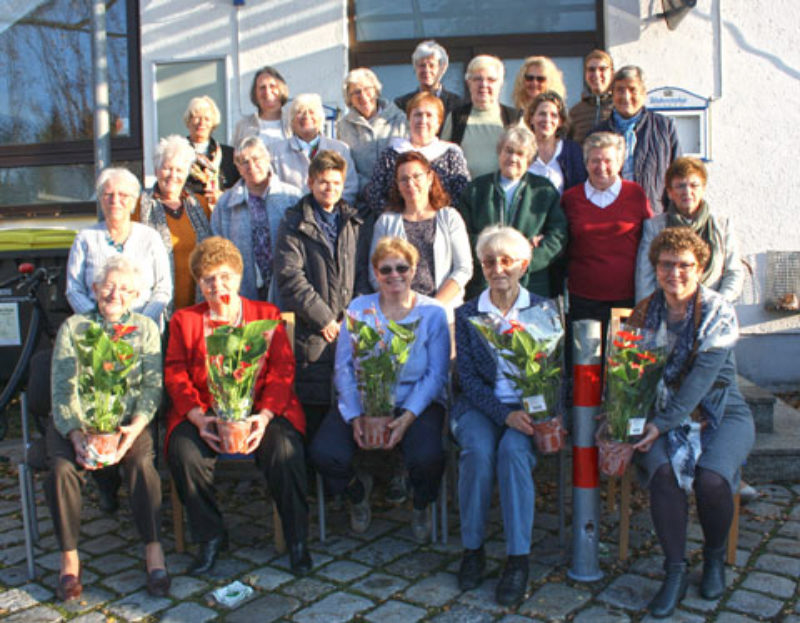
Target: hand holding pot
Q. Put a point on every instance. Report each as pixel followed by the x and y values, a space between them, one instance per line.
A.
pixel 521 421
pixel 650 435
pixel 259 422
pixel 78 440
pixel 206 427
pixel 129 435
pixel 398 428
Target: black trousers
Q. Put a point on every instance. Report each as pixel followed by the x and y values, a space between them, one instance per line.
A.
pixel 66 478
pixel 333 449
pixel 279 457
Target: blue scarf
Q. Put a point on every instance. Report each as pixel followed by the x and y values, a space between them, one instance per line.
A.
pixel 628 129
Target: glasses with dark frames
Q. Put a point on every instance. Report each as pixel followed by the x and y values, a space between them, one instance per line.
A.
pixel 529 78
pixel 400 269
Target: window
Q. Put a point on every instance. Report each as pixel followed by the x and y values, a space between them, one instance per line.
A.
pixel 46 102
pixel 384 33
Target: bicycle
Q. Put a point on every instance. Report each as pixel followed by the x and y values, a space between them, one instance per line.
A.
pixel 19 290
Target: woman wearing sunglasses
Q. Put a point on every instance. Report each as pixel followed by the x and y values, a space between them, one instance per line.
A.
pixel 419 392
pixel 418 211
pixel 537 75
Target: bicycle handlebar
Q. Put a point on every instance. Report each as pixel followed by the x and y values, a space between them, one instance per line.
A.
pixel 29 281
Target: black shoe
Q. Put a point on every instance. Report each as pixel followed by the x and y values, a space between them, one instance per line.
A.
pixel 671 592
pixel 158 583
pixel 513 582
pixel 713 583
pixel 470 573
pixel 299 558
pixel 207 554
pixel 108 501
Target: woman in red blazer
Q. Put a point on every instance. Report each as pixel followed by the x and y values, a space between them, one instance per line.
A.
pixel 278 423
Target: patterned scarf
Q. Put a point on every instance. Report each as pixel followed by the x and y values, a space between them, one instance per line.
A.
pixel 628 129
pixel 704 225
pixel 708 324
pixel 262 244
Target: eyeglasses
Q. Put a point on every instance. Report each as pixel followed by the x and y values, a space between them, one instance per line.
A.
pixel 540 79
pixel 224 277
pixel 400 269
pixel 407 179
pixel 108 197
pixel 666 266
pixel 503 262
pixel 109 288
pixel 687 186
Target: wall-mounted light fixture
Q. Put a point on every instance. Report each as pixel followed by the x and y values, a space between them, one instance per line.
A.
pixel 675 11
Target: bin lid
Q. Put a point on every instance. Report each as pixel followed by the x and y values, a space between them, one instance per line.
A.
pixel 24 238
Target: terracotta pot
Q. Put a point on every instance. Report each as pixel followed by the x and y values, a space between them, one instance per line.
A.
pixel 376 433
pixel 102 448
pixel 233 435
pixel 613 456
pixel 549 434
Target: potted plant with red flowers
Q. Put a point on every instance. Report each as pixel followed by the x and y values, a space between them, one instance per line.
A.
pixel 379 353
pixel 234 356
pixel 533 349
pixel 634 364
pixel 105 360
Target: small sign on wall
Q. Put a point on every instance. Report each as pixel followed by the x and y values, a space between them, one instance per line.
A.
pixel 689 112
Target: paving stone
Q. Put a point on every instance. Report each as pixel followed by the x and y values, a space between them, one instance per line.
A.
pixel 482 597
pixel 435 590
pixel 768 583
pixel 103 544
pixel 396 612
pixel 13 576
pixel 90 617
pixel 750 540
pixel 515 618
pixel 791 529
pixel 185 585
pixel 256 555
pixel 336 545
pixel 12 555
pixel 597 614
pixel 463 614
pixel 555 601
pixel 126 581
pixel 92 597
pixel 9 506
pixel 377 528
pixel 39 614
pixel 113 563
pixel 651 566
pixel 416 564
pixel 733 617
pixel 631 592
pixel 99 526
pixel 679 616
pixel 343 571
pixel 774 493
pixel 268 578
pixel 227 568
pixel 17 599
pixel 317 560
pixel 189 612
pixel 789 547
pixel 264 609
pixel 51 561
pixel 382 551
pixel 308 589
pixel 138 606
pixel 694 601
pixel 762 508
pixel 336 608
pixel 10 537
pixel 380 585
pixel 754 603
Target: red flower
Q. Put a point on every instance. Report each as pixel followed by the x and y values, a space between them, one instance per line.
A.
pixel 124 357
pixel 619 344
pixel 239 373
pixel 539 355
pixel 121 330
pixel 108 366
pixel 646 357
pixel 515 326
pixel 225 298
pixel 631 337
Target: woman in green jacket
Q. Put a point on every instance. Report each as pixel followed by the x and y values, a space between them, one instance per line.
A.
pixel 513 196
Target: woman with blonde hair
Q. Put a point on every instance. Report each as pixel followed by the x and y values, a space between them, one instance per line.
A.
pixel 537 75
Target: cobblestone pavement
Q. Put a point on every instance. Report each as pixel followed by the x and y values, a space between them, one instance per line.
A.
pixel 384 576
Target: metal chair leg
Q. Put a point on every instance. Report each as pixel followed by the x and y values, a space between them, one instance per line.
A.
pixel 32 504
pixel 321 508
pixel 26 495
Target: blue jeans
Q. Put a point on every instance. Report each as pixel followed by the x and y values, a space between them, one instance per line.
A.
pixel 486 448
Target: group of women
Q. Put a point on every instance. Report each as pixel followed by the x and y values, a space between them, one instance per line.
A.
pixel 509 192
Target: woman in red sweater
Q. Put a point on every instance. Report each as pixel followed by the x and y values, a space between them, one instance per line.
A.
pixel 277 423
pixel 604 217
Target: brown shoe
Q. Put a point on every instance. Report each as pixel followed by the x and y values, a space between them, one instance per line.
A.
pixel 69 586
pixel 158 583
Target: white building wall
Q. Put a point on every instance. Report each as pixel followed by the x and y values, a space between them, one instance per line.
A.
pixel 745 56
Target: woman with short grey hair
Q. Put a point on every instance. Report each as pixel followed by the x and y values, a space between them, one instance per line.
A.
pixel 651 140
pixel 291 157
pixel 514 196
pixel 430 63
pixel 175 213
pixel 370 121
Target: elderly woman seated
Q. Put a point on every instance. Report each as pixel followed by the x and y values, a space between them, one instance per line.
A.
pixel 514 196
pixel 686 185
pixel 489 423
pixel 116 286
pixel 370 122
pixel 419 393
pixel 291 157
pixel 212 171
pixel 174 213
pixel 117 192
pixel 702 430
pixel 277 424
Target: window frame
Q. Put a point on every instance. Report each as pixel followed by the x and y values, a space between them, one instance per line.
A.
pixel 127 148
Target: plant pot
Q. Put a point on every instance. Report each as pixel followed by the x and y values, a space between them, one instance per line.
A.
pixel 102 448
pixel 549 434
pixel 233 435
pixel 613 456
pixel 376 431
